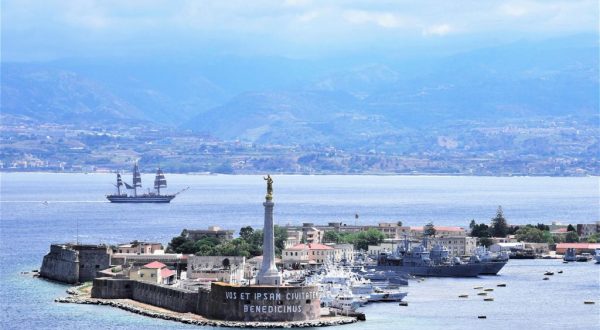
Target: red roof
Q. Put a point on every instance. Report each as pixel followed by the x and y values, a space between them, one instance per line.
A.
pixel 590 246
pixel 166 272
pixel 155 264
pixel 439 228
pixel 311 246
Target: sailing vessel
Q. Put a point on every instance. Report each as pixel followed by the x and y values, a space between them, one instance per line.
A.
pixel 149 197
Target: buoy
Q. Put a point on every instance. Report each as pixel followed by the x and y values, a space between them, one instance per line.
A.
pixel 545 278
pixel 502 285
pixel 589 302
pixel 482 294
pixel 463 296
pixel 478 288
pixel 482 317
pixel 488 299
pixel 488 290
pixel 403 303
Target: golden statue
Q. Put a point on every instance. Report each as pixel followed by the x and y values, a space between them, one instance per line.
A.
pixel 269 185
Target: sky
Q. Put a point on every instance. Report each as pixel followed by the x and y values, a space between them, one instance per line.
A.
pixel 53 29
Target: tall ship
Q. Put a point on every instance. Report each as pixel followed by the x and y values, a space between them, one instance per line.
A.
pixel 122 195
pixel 417 261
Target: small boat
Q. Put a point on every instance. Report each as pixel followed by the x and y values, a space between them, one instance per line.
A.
pixel 560 271
pixel 384 295
pixel 545 278
pixel 549 273
pixel 570 255
pixel 488 290
pixel 501 285
pixel 463 296
pixel 584 257
pixel 589 302
pixel 478 288
pixel 482 317
pixel 482 294
pixel 488 299
pixel 597 255
pixel 403 303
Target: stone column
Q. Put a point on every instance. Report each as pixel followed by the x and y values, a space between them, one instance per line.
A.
pixel 268 274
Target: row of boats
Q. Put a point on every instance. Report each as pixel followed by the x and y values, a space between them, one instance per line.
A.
pixel 571 255
pixel 347 287
pixel 422 261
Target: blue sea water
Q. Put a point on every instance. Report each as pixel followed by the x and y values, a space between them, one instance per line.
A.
pixel 77 208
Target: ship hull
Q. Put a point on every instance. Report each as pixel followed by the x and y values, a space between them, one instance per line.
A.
pixel 492 268
pixel 140 199
pixel 463 270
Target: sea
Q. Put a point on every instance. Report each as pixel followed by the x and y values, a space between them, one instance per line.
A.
pixel 38 209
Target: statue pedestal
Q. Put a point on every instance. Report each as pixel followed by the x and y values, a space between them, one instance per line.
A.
pixel 268 274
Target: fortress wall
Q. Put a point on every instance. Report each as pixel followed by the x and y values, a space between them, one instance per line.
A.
pixel 91 260
pixel 263 303
pixel 178 300
pixel 61 264
pixel 110 288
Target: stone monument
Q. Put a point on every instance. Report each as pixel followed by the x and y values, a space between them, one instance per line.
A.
pixel 268 274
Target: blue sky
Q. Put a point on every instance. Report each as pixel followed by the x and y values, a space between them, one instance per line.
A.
pixel 46 30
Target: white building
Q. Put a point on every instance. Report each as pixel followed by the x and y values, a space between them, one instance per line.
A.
pixel 216 268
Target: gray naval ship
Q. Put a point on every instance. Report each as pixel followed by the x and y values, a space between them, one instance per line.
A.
pixel 419 261
pixel 492 263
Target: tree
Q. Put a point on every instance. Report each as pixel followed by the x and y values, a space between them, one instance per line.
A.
pixel 369 237
pixel 499 226
pixel 593 238
pixel 280 235
pixel 331 236
pixel 570 228
pixel 572 237
pixel 485 241
pixel 246 232
pixel 429 229
pixel 530 234
pixel 542 226
pixel 472 224
pixel 480 230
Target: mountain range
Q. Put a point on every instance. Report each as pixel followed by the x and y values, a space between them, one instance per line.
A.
pixel 341 102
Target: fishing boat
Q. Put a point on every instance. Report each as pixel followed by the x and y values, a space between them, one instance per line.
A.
pixel 122 196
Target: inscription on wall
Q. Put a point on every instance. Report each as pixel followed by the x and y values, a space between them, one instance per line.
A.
pixel 253 301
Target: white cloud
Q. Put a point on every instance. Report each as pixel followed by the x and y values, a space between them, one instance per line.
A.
pixel 437 30
pixel 382 19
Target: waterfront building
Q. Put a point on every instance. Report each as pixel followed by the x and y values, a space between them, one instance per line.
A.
pixel 308 254
pixel 458 245
pixel 294 237
pixel 226 269
pixel 393 230
pixel 136 247
pixel 498 247
pixel 212 231
pixel 588 229
pixel 385 247
pixel 154 272
pixel 440 231
pixel 579 247
pixel 343 252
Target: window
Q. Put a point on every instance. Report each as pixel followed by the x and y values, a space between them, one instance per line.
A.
pixel 142 275
pixel 97 266
pixel 151 275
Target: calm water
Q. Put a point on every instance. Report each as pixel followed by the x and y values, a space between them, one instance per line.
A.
pixel 76 204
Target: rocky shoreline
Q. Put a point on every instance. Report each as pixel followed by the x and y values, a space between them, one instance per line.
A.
pixel 79 297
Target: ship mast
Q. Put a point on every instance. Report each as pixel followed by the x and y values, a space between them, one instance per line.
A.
pixel 160 181
pixel 137 178
pixel 119 184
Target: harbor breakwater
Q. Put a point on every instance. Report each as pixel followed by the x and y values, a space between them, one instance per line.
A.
pixel 222 302
pixel 156 294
